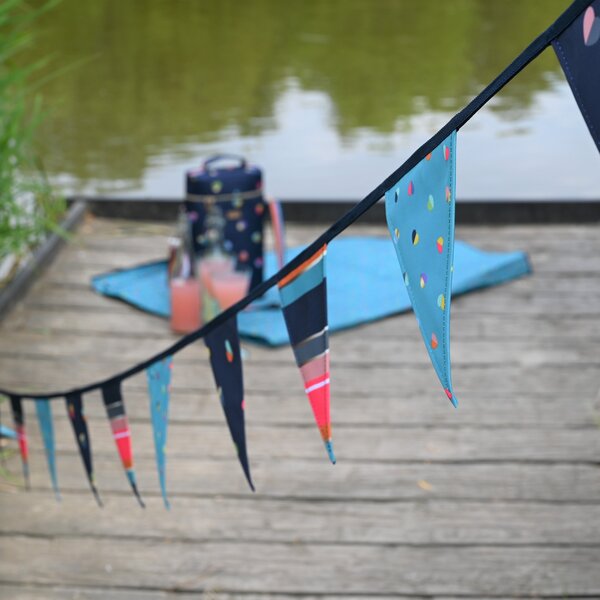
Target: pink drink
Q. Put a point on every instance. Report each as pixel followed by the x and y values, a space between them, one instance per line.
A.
pixel 211 265
pixel 230 286
pixel 185 305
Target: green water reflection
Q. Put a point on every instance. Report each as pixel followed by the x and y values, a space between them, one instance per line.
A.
pixel 163 74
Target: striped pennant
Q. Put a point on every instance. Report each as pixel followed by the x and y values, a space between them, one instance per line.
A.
pixel 223 344
pixel 80 429
pixel 304 301
pixel 115 409
pixel 19 419
pixel 159 387
pixel 43 409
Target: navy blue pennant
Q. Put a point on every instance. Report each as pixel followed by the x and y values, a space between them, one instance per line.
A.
pixel 80 429
pixel 223 344
pixel 578 50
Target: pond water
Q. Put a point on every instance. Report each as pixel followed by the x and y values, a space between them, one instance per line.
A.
pixel 328 96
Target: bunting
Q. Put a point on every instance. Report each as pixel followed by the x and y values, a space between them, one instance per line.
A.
pixel 80 429
pixel 420 204
pixel 159 387
pixel 304 302
pixel 578 50
pixel 420 216
pixel 43 409
pixel 115 410
pixel 223 344
pixel 19 420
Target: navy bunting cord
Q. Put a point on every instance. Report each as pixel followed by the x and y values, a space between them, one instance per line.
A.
pixel 460 119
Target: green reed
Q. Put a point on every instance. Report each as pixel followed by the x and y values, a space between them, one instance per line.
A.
pixel 29 209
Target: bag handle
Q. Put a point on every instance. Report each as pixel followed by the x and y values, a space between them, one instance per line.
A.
pixel 278 225
pixel 218 157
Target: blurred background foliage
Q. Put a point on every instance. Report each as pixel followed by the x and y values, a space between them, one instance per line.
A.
pixel 28 207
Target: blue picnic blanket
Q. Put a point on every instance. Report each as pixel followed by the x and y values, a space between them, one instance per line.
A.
pixel 364 283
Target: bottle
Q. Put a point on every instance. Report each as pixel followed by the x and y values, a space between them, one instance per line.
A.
pixel 215 260
pixel 186 301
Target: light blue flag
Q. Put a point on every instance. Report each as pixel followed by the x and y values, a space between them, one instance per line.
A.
pixel 44 415
pixel 420 216
pixel 159 385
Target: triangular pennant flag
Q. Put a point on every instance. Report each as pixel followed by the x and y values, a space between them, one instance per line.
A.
pixel 304 302
pixel 159 386
pixel 80 429
pixel 19 420
pixel 223 344
pixel 578 50
pixel 420 216
pixel 115 410
pixel 44 414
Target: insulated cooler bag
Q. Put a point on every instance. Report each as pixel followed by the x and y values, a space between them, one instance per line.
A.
pixel 238 192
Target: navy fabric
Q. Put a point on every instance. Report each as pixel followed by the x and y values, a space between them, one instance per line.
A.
pixel 17 411
pixel 226 362
pixel 210 179
pixel 238 193
pixel 80 429
pixel 578 50
pixel 307 314
pixel 363 285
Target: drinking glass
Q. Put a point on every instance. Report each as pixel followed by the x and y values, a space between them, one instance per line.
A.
pixel 230 286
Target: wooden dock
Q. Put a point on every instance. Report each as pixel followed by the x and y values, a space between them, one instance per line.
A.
pixel 498 499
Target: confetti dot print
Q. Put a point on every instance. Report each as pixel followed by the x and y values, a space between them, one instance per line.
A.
pixel 441 301
pixel 434 341
pixel 228 351
pixel 420 216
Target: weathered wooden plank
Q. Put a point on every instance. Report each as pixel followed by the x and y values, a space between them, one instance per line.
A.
pixel 374 380
pixel 318 481
pixel 465 324
pixel 61 592
pixel 290 568
pixel 216 519
pixel 491 411
pixel 82 275
pixel 348 347
pixel 543 289
pixel 356 443
pixel 25 592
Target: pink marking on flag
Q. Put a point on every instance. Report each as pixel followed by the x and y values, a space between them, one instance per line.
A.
pixel 314 368
pixel 22 438
pixel 318 395
pixel 122 437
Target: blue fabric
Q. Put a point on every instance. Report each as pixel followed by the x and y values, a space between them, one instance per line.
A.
pixel 6 432
pixel 363 285
pixel 44 414
pixel 420 214
pixel 159 386
pixel 307 315
pixel 303 284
